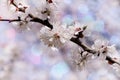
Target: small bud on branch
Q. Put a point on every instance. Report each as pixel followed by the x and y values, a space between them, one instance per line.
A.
pixel 21 9
pixel 49 1
pixel 80 33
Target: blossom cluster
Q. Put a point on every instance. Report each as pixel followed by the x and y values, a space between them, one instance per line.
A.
pixel 66 39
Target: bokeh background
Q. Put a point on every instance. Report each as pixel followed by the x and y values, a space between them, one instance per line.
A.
pixel 32 60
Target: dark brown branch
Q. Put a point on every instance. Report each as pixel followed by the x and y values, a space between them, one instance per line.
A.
pixel 111 61
pixel 11 20
pixel 33 19
pixel 12 2
pixel 44 22
pixel 77 41
pixel 86 48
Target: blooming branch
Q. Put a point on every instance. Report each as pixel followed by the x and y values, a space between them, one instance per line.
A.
pixel 33 19
pixel 59 35
pixel 89 50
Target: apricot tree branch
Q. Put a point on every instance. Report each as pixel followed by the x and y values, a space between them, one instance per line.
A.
pixel 111 61
pixel 77 41
pixel 86 48
pixel 44 22
pixel 32 19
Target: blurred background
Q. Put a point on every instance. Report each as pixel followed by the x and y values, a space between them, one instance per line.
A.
pixel 24 57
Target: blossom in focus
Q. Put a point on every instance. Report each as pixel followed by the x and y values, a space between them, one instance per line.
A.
pixel 55 37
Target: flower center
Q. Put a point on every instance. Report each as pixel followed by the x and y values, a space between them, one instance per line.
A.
pixel 56 36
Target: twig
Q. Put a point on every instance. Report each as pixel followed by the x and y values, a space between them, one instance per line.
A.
pixel 21 9
pixel 11 20
pixel 108 58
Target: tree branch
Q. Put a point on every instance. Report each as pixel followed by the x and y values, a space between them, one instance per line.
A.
pixel 86 48
pixel 44 22
pixel 11 20
pixel 33 19
pixel 47 23
pixel 111 61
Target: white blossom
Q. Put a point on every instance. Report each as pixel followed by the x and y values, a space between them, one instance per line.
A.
pixel 99 44
pixel 104 49
pixel 79 58
pixel 112 52
pixel 55 37
pixel 17 59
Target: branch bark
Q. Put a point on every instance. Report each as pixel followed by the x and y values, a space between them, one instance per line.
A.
pixel 44 22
